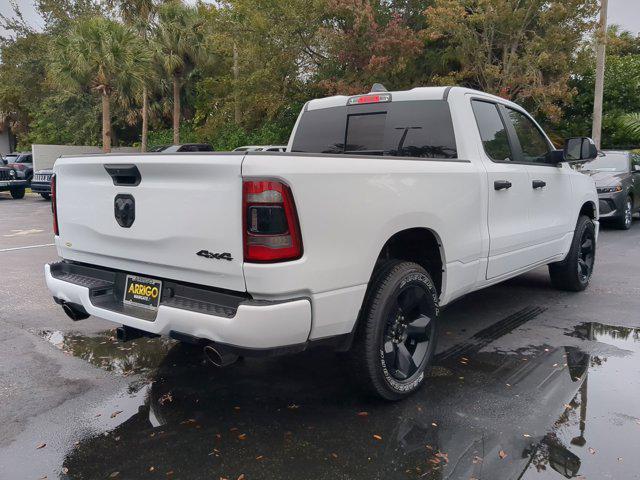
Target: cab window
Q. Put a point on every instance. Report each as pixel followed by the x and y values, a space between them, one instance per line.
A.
pixel 533 143
pixel 492 131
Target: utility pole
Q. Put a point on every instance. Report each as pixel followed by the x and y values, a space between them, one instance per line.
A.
pixel 237 116
pixel 601 45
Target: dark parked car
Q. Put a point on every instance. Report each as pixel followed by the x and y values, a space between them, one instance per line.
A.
pixel 185 147
pixel 41 183
pixel 617 177
pixel 22 163
pixel 9 181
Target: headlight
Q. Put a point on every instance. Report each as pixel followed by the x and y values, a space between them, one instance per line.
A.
pixel 12 173
pixel 617 188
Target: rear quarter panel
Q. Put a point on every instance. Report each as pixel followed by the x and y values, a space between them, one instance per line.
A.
pixel 348 208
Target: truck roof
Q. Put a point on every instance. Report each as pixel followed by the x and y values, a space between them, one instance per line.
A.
pixel 417 93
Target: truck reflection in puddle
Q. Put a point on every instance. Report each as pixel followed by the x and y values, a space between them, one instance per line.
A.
pixel 485 415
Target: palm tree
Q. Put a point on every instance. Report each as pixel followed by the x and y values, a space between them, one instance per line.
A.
pixel 138 14
pixel 104 57
pixel 631 123
pixel 179 41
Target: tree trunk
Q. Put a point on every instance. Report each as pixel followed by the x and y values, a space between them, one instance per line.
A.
pixel 106 123
pixel 176 110
pixel 145 120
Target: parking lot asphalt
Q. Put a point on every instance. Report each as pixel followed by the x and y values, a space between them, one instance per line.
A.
pixel 529 383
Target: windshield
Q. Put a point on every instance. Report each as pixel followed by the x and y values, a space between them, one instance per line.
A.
pixel 22 159
pixel 610 162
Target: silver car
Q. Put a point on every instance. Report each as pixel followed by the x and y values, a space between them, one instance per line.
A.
pixel 617 178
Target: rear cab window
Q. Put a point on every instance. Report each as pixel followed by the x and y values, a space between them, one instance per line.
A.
pixel 414 128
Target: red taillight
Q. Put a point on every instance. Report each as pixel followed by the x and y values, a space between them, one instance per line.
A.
pixel 54 206
pixel 270 222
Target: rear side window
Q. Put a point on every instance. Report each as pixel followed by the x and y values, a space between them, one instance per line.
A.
pixel 492 131
pixel 421 129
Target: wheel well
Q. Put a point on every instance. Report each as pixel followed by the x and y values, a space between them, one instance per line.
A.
pixel 419 245
pixel 589 209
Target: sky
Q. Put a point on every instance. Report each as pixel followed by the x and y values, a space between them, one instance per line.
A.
pixel 622 12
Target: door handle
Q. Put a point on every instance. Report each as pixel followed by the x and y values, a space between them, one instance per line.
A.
pixel 501 184
pixel 538 184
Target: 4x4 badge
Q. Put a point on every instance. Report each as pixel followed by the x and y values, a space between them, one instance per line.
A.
pixel 216 256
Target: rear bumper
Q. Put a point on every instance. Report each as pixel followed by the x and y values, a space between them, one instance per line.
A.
pixel 223 318
pixel 40 187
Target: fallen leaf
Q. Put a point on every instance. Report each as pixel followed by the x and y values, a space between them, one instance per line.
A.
pixel 619 459
pixel 151 469
pixel 526 435
pixel 167 397
pixel 477 459
pixel 169 473
pixel 236 408
pixel 115 414
pixel 363 414
pixel 377 437
pixel 242 436
pixel 443 456
pixel 114 474
pixel 334 455
pixel 502 454
pixel 592 451
pixel 65 470
pixel 241 477
pixel 41 445
pixel 434 424
pixel 293 406
pixel 259 457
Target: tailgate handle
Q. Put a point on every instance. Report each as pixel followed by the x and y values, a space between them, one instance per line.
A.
pixel 124 175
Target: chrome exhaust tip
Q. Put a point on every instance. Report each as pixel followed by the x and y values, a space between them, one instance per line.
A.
pixel 218 357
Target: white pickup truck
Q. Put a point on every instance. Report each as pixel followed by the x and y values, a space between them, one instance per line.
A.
pixel 384 208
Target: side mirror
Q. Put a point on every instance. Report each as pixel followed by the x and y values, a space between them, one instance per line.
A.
pixel 579 149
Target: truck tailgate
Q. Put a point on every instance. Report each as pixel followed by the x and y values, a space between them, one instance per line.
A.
pixel 184 204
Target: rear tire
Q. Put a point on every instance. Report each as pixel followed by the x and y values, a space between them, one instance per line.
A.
pixel 397 331
pixel 624 222
pixel 17 193
pixel 574 272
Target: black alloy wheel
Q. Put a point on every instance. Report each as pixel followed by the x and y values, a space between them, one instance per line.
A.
pixel 574 272
pixel 408 333
pixel 586 256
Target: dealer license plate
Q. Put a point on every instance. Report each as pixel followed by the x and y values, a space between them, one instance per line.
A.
pixel 142 292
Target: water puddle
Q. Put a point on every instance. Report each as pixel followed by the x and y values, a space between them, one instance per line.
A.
pixel 105 351
pixel 538 413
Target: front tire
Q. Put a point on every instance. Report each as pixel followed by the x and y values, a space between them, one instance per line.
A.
pixel 17 193
pixel 574 272
pixel 397 332
pixel 624 222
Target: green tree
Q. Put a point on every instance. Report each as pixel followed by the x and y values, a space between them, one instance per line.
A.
pixel 138 14
pixel 179 41
pixel 104 57
pixel 519 50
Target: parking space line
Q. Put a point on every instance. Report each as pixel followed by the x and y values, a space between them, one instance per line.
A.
pixel 28 246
